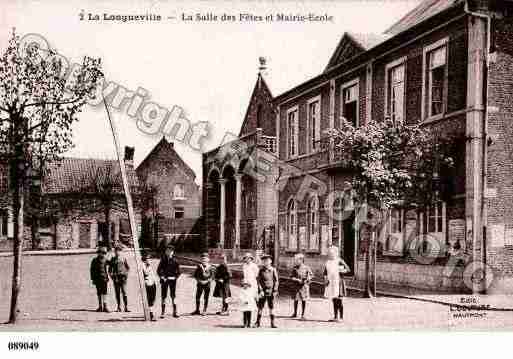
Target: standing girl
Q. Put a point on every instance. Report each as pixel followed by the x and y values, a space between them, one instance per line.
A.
pixel 335 290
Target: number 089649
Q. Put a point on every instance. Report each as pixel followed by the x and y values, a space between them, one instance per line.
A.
pixel 23 346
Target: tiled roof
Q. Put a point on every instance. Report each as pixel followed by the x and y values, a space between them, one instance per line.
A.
pixel 71 175
pixel 368 41
pixel 425 10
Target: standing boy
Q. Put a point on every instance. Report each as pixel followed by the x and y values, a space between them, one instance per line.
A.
pixel 150 280
pixel 267 288
pixel 203 274
pixel 168 271
pixel 118 269
pixel 302 276
pixel 222 288
pixel 100 278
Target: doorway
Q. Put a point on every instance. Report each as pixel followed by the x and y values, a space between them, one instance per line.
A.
pixel 349 243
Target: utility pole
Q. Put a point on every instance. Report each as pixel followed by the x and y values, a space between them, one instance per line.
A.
pixel 131 217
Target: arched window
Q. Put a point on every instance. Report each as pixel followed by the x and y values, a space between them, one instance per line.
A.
pixel 313 223
pixel 292 224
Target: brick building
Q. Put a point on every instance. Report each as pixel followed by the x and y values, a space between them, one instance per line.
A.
pixel 72 206
pixel 175 208
pixel 239 205
pixel 447 65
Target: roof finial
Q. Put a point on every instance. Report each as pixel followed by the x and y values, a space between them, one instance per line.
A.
pixel 263 64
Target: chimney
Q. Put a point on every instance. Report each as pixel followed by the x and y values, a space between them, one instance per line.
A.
pixel 129 155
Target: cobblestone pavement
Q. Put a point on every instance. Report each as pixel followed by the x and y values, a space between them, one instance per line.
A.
pixel 58 295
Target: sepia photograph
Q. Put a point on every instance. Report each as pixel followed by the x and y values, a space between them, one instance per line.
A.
pixel 267 166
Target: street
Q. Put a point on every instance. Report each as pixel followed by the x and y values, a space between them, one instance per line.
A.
pixel 58 295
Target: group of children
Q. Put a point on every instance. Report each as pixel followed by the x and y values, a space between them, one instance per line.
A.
pixel 116 268
pixel 259 283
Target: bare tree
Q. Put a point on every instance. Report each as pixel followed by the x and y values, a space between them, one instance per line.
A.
pixel 38 106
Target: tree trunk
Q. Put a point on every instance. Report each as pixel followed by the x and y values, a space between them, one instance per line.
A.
pixel 108 240
pixel 18 199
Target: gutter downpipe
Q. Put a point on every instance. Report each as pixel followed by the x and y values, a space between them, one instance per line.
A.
pixel 484 223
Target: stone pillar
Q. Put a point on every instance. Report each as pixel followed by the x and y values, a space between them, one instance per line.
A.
pixel 475 132
pixel 238 191
pixel 222 211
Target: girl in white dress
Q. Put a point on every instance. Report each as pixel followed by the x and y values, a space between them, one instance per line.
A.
pixel 335 289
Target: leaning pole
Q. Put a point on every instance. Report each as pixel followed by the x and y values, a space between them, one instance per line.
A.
pixel 131 217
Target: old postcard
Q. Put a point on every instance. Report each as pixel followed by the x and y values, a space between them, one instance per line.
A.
pixel 255 166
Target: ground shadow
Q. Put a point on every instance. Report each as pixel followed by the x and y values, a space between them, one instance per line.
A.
pixel 79 310
pixel 230 326
pixel 118 320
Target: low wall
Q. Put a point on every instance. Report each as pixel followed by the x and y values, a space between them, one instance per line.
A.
pixel 409 276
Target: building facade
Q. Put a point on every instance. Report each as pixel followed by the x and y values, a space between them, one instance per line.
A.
pixel 79 204
pixel 175 207
pixel 445 65
pixel 239 202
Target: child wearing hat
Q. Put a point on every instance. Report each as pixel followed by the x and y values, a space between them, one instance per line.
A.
pixel 302 276
pixel 203 274
pixel 118 270
pixel 250 272
pixel 100 278
pixel 150 282
pixel 267 288
pixel 335 289
pixel 168 271
pixel 222 288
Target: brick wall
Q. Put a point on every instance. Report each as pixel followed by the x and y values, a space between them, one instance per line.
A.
pixel 500 152
pixel 163 170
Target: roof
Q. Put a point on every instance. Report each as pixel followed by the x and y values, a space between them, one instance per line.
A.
pixel 367 44
pixel 353 44
pixel 425 10
pixel 260 86
pixel 368 41
pixel 173 156
pixel 70 175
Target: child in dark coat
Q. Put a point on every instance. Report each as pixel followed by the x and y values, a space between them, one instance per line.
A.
pixel 168 271
pixel 118 269
pixel 267 289
pixel 222 288
pixel 100 278
pixel 203 274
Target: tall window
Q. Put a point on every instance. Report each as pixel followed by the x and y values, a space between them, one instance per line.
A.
pixel 432 223
pixel 350 102
pixel 436 77
pixel 313 223
pixel 435 218
pixel 396 82
pixel 292 224
pixel 394 244
pixel 336 215
pixel 179 191
pixel 314 121
pixel 292 128
pixel 4 219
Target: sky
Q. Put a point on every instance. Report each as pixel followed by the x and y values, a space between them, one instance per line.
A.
pixel 208 68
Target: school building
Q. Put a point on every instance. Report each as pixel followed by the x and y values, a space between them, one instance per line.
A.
pixel 447 65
